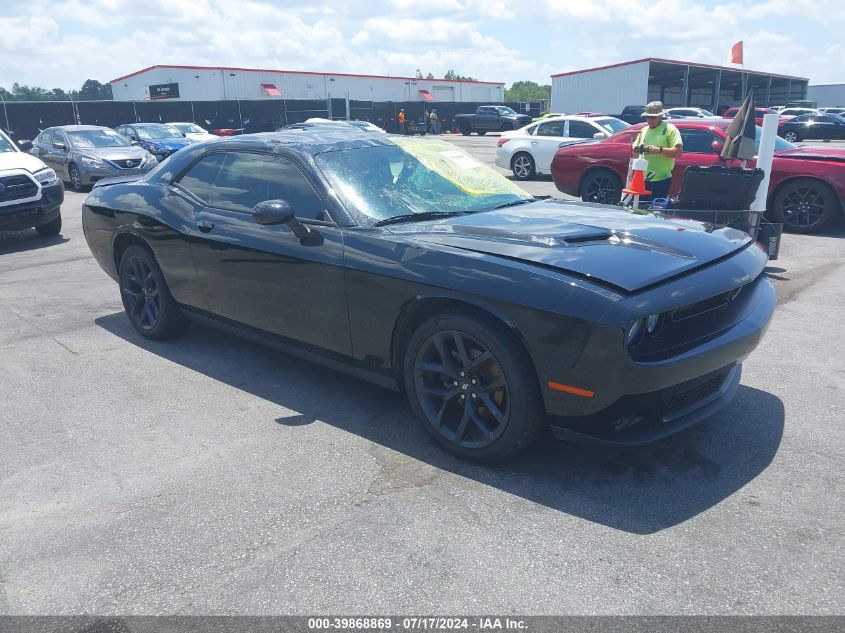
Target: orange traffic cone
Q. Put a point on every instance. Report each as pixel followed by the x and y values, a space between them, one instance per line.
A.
pixel 636 188
pixel 637 185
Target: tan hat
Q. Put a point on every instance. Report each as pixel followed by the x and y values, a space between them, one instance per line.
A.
pixel 655 108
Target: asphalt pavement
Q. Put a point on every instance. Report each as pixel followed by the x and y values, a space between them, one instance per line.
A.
pixel 208 475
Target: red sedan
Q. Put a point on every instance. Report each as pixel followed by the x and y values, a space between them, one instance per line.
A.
pixel 806 192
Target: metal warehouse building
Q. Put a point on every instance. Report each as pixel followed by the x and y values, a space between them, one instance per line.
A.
pixel 827 95
pixel 201 83
pixel 610 88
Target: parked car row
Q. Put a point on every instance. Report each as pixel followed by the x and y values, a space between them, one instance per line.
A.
pixel 83 154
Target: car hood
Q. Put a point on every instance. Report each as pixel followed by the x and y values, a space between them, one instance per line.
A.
pixel 626 252
pixel 834 155
pixel 201 136
pixel 20 160
pixel 113 153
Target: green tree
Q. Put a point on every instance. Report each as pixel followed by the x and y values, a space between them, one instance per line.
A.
pixel 452 75
pixel 429 76
pixel 528 91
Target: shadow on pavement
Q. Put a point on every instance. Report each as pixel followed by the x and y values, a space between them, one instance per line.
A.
pixel 639 490
pixel 27 240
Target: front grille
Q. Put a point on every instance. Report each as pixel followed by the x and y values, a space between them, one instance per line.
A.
pixel 128 163
pixel 17 187
pixel 686 395
pixel 706 305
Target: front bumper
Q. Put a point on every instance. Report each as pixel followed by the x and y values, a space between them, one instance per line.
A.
pixel 15 217
pixel 90 175
pixel 640 401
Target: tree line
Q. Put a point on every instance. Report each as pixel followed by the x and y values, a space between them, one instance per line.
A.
pixel 92 90
pixel 519 91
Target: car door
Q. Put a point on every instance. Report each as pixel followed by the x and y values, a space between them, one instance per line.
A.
pixel 263 276
pixel 59 156
pixel 701 147
pixel 41 147
pixel 547 138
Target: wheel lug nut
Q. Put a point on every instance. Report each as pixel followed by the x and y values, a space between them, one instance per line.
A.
pixel 474 396
pixel 462 374
pixel 463 397
pixel 474 381
pixel 455 383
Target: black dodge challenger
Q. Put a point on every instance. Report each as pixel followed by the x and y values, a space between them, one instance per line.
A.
pixel 409 263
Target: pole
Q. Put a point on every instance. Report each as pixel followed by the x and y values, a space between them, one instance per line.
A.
pixel 764 159
pixel 5 114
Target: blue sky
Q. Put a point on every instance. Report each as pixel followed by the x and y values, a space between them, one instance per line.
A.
pixel 60 43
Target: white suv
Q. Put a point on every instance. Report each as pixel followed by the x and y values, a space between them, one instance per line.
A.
pixel 30 193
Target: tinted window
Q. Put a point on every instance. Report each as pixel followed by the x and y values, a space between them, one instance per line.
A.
pixel 46 137
pixel 240 180
pixel 581 129
pixel 699 141
pixel 553 128
pixel 825 119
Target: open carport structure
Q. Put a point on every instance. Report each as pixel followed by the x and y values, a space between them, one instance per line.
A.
pixel 675 83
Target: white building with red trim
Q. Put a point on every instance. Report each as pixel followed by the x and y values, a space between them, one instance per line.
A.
pixel 204 83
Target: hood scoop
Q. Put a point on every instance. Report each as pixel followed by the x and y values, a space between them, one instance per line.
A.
pixel 577 234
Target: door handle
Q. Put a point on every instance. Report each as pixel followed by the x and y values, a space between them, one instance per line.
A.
pixel 205 226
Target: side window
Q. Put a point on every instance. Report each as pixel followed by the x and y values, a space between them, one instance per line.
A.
pixel 581 129
pixel 531 130
pixel 240 180
pixel 47 137
pixel 552 128
pixel 698 141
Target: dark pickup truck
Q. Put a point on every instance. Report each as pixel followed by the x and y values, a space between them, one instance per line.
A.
pixel 631 114
pixel 490 119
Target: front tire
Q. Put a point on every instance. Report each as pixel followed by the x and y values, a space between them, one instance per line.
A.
pixel 602 186
pixel 466 130
pixel 507 127
pixel 523 166
pixel 75 178
pixel 481 132
pixel 805 205
pixel 791 137
pixel 473 387
pixel 53 227
pixel 146 298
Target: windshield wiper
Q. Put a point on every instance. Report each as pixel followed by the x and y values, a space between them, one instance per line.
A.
pixel 416 217
pixel 513 203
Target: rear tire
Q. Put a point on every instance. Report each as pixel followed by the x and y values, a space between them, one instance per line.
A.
pixel 146 298
pixel 53 227
pixel 472 386
pixel 523 166
pixel 602 186
pixel 805 205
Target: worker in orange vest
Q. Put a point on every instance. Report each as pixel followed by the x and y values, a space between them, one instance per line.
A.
pixel 402 121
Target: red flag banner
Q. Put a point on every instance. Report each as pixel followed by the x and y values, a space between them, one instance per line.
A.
pixel 736 53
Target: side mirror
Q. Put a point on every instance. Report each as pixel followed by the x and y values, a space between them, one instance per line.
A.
pixel 599 135
pixel 133 142
pixel 271 212
pixel 60 146
pixel 25 145
pixel 717 146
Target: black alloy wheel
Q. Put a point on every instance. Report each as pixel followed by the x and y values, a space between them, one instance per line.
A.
pixel 601 186
pixel 151 309
pixel 473 388
pixel 805 206
pixel 75 178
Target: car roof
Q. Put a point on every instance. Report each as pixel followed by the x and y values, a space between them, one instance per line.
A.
pixel 310 140
pixel 147 124
pixel 78 128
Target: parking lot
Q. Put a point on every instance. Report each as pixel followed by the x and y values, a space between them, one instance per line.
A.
pixel 209 475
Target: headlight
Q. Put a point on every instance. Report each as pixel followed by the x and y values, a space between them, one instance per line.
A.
pixel 150 160
pixel 45 176
pixel 651 323
pixel 90 161
pixel 157 149
pixel 634 332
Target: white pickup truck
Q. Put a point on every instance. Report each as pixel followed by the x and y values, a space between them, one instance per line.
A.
pixel 30 193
